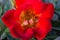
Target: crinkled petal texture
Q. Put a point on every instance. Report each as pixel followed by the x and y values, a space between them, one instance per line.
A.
pixel 12 18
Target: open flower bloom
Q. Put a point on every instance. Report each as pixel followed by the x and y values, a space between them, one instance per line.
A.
pixel 30 19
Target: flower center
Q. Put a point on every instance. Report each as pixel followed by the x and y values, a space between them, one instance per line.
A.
pixel 28 19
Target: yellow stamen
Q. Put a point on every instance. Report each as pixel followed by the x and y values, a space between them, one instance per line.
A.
pixel 32 19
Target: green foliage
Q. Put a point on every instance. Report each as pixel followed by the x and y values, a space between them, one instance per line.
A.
pixel 0 10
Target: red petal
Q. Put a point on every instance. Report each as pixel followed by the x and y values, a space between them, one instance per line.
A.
pixel 14 27
pixel 17 32
pixel 37 6
pixel 44 28
pixel 48 13
pixel 8 18
pixel 44 23
pixel 20 2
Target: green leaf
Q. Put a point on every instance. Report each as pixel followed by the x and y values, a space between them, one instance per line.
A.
pixel 33 39
pixel 56 28
pixel 6 30
pixel 7 6
pixel 0 10
pixel 0 22
pixel 10 37
pixel 57 9
pixel 58 38
pixel 3 36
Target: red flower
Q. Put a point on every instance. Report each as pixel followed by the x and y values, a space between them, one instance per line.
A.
pixel 30 19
